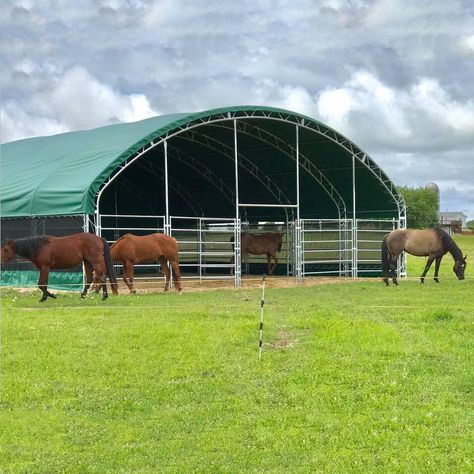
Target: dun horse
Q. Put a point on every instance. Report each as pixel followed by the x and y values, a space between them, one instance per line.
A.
pixel 431 243
pixel 51 253
pixel 132 250
pixel 267 244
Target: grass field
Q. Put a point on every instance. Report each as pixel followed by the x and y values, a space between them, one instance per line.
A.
pixel 355 377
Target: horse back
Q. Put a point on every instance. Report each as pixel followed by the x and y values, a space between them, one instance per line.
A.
pixel 418 242
pixel 258 244
pixel 70 250
pixel 144 248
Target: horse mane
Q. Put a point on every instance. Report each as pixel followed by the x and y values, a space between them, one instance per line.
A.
pixel 448 243
pixel 28 247
pixel 120 238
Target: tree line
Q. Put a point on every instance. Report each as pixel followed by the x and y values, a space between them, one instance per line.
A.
pixel 422 208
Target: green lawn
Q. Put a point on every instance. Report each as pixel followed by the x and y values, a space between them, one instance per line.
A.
pixel 354 377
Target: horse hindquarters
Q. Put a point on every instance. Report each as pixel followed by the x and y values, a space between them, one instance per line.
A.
pixel 389 263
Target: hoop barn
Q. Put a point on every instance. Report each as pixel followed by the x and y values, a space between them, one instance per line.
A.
pixel 203 178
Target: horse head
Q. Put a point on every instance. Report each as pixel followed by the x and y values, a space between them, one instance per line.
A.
pixel 7 251
pixel 460 266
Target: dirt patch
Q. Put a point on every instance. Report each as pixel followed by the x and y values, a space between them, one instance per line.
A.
pixel 156 285
pixel 251 282
pixel 284 340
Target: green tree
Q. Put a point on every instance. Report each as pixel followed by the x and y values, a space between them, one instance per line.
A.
pixel 470 225
pixel 422 207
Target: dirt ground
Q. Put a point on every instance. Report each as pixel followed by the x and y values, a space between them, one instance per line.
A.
pixel 248 282
pixel 191 285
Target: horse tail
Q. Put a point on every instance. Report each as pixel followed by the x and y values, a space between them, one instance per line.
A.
pixel 385 259
pixel 110 268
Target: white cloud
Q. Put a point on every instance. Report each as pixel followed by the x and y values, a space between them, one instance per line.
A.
pixel 382 117
pixel 76 100
pixel 468 42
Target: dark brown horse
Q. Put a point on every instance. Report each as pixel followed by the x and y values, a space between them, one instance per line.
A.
pixel 132 249
pixel 50 253
pixel 267 244
pixel 431 243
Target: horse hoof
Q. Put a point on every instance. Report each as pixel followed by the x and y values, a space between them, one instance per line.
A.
pixel 83 295
pixel 133 292
pixel 436 280
pixel 42 299
pixel 104 297
pixel 52 295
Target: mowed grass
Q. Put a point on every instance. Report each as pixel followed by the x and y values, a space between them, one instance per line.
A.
pixel 355 377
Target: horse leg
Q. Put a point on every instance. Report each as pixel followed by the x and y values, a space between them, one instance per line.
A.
pixel 166 271
pixel 271 266
pixel 128 275
pixel 393 269
pixel 275 262
pixel 176 275
pixel 100 276
pixel 437 264
pixel 89 277
pixel 427 267
pixel 43 284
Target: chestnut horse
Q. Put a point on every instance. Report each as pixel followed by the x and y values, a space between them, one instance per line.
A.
pixel 132 249
pixel 50 253
pixel 431 243
pixel 267 244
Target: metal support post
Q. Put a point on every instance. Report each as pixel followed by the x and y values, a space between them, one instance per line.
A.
pixel 237 255
pixel 354 222
pixel 167 224
pixel 201 248
pixel 299 254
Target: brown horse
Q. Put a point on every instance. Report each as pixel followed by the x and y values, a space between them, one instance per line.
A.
pixel 132 249
pixel 267 244
pixel 50 253
pixel 431 243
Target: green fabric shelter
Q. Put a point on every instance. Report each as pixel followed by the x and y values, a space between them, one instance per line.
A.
pixel 62 174
pixel 48 184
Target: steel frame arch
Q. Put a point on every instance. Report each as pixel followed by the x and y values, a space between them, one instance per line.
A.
pixel 180 190
pixel 304 161
pixel 250 167
pixel 282 116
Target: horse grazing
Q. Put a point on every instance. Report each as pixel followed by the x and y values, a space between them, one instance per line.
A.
pixel 431 243
pixel 50 253
pixel 132 249
pixel 267 244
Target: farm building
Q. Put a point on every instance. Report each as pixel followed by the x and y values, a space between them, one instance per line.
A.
pixel 203 178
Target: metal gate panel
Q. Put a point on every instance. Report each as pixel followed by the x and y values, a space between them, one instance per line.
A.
pixel 326 247
pixel 208 247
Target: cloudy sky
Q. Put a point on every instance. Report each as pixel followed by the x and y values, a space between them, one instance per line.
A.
pixel 395 76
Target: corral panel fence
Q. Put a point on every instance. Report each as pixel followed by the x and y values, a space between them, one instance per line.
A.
pixel 207 246
pixel 327 247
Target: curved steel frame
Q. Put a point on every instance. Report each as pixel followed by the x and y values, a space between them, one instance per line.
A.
pixel 241 117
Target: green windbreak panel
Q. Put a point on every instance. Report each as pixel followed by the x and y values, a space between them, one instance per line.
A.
pixel 70 281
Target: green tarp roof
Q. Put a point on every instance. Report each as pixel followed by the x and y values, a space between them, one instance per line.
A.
pixel 61 174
